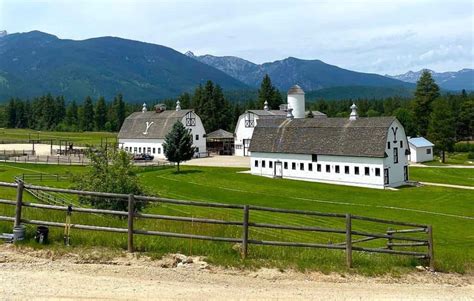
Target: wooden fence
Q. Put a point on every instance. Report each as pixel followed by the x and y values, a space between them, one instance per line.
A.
pixel 396 239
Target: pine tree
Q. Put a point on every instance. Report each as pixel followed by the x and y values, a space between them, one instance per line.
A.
pixel 119 112
pixel 72 116
pixel 269 93
pixel 87 117
pixel 100 114
pixel 178 145
pixel 11 113
pixel 441 130
pixel 426 92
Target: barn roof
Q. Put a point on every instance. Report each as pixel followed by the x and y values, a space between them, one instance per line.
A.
pixel 220 134
pixel 269 113
pixel 135 125
pixel 364 137
pixel 420 142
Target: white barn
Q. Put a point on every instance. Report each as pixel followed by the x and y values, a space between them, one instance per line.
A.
pixel 421 150
pixel 248 120
pixel 144 132
pixel 367 152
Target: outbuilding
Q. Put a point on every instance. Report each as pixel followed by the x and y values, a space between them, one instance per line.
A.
pixel 144 132
pixel 421 150
pixel 220 142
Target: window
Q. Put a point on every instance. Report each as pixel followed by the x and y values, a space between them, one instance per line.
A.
pixel 328 168
pixel 293 165
pixel 337 169
pixel 310 166
pixel 148 150
pixel 428 151
pixel 190 119
pixel 256 163
pixel 377 172
pixel 263 163
pixel 135 150
pixel 196 150
pixel 197 137
pixel 301 166
pixel 356 170
pixel 270 164
pixel 318 167
pixel 249 122
pixel 140 150
pixel 405 173
pixel 285 165
pixel 126 148
pixel 154 150
pixel 314 158
pixel 401 143
pixel 395 155
pixel 388 145
pixel 385 176
pixel 159 150
pixel 346 169
pixel 367 171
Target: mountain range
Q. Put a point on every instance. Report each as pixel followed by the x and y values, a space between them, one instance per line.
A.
pixel 35 63
pixel 456 81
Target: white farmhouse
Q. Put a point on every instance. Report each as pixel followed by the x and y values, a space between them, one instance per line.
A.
pixel 421 150
pixel 144 132
pixel 367 152
pixel 248 121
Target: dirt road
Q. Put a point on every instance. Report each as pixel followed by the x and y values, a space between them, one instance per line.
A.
pixel 41 275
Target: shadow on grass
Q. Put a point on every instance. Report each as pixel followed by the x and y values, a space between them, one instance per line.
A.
pixel 185 172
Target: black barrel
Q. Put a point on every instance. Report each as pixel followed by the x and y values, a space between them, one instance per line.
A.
pixel 42 234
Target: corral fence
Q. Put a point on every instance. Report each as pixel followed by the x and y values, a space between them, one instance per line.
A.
pixel 396 240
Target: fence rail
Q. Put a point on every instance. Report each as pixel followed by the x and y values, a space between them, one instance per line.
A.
pixel 394 240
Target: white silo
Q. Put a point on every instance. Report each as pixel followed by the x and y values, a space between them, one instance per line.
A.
pixel 296 101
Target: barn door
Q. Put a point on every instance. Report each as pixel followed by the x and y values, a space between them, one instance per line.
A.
pixel 246 147
pixel 385 176
pixel 278 170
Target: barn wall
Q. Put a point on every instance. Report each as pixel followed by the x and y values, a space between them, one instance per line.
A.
pixel 332 176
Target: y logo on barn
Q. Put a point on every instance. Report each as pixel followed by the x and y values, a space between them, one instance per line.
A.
pixel 148 124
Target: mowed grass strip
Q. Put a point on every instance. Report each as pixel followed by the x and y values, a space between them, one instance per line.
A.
pixel 454 176
pixel 82 138
pixel 448 210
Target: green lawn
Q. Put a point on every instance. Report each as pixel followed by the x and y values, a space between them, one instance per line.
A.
pixel 80 138
pixel 452 159
pixel 450 211
pixel 456 176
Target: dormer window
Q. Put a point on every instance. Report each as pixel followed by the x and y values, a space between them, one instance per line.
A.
pixel 249 122
pixel 190 119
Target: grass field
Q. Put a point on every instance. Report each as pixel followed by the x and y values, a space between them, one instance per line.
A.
pixel 79 138
pixel 452 158
pixel 450 211
pixel 455 176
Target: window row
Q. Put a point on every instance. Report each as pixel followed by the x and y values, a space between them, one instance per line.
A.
pixel 143 150
pixel 327 167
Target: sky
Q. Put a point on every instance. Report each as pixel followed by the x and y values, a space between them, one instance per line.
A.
pixel 377 36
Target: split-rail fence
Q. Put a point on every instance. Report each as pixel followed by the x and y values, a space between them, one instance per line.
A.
pixel 396 240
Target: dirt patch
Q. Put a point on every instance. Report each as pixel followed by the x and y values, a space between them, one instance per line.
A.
pixel 39 274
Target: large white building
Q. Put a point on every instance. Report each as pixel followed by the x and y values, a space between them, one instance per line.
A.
pixel 144 132
pixel 367 152
pixel 248 120
pixel 421 150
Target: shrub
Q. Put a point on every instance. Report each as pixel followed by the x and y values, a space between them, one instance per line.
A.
pixel 463 147
pixel 470 155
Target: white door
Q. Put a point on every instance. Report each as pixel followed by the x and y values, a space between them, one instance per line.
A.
pixel 278 171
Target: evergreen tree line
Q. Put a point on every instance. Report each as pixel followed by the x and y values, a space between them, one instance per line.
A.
pixel 53 113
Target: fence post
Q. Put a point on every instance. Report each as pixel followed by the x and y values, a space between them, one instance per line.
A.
pixel 430 247
pixel 348 240
pixel 245 234
pixel 390 240
pixel 131 209
pixel 19 203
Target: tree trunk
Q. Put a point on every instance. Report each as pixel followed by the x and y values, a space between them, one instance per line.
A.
pixel 444 157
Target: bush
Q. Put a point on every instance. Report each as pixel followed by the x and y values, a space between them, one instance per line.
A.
pixel 470 155
pixel 463 147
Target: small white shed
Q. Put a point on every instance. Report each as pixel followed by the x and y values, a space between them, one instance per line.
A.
pixel 421 150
